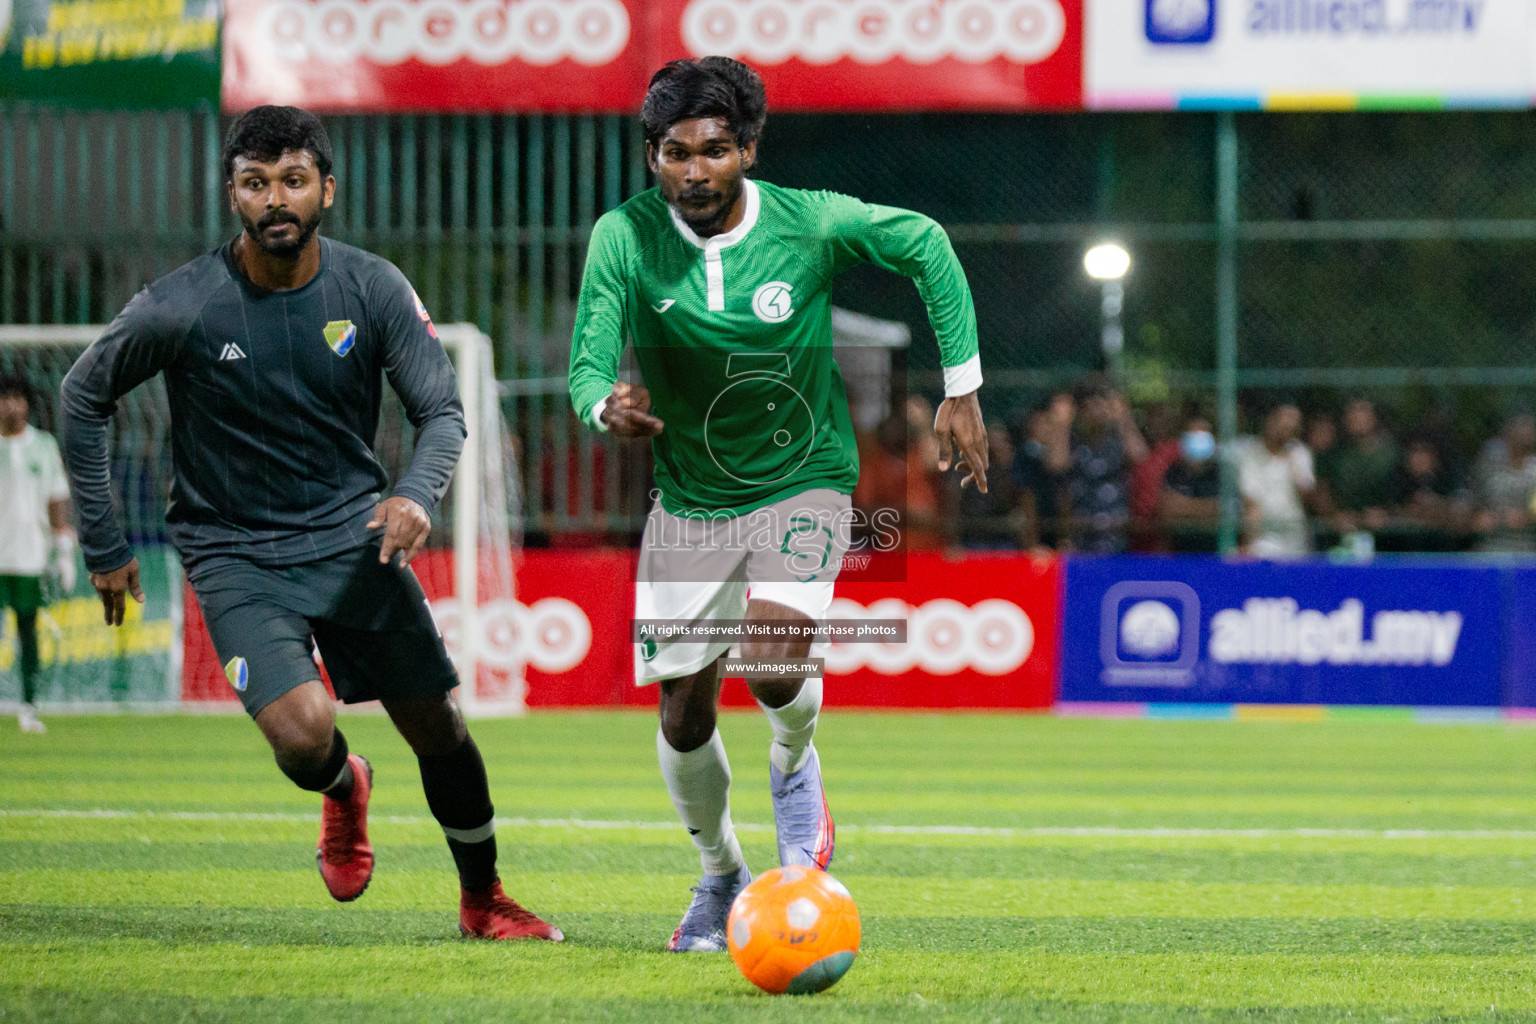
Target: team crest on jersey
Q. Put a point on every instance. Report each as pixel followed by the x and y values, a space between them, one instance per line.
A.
pixel 341 335
pixel 772 303
pixel 237 673
pixel 421 311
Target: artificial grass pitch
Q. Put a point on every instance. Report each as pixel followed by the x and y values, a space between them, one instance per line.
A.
pixel 1006 868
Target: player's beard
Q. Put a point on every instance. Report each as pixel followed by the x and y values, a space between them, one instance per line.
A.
pixel 307 228
pixel 707 224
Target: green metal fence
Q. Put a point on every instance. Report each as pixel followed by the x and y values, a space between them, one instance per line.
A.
pixel 1310 254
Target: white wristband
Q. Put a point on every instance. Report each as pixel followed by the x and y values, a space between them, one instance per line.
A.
pixel 596 415
pixel 962 379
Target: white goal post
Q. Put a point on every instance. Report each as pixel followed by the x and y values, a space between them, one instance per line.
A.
pixel 482 524
pixel 486 508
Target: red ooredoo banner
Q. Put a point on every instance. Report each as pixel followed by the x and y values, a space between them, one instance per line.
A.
pixel 982 632
pixel 568 55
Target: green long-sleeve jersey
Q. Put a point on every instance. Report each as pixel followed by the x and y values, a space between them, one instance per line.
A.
pixel 733 336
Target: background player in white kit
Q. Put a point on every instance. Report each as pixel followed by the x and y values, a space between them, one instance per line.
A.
pixel 36 539
pixel 724 286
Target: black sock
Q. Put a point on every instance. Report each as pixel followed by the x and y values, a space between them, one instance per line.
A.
pixel 26 639
pixel 333 777
pixel 460 799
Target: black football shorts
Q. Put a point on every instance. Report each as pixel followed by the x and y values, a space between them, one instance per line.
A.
pixel 370 622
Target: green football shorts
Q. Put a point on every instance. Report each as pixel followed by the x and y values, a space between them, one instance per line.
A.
pixel 23 593
pixel 370 623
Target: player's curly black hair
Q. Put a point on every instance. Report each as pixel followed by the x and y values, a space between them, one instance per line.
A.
pixel 266 133
pixel 705 87
pixel 16 384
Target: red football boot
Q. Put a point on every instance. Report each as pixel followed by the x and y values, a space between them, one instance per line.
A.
pixel 495 915
pixel 345 856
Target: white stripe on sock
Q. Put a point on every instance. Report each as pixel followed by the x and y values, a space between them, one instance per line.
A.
pixel 472 835
pixel 337 780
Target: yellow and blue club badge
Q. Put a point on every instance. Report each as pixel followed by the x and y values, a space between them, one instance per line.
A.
pixel 237 673
pixel 340 335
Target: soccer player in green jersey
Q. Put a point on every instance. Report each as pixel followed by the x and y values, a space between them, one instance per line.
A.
pixel 723 285
pixel 36 539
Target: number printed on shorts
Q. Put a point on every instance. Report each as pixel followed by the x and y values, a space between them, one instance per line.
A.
pixel 802 543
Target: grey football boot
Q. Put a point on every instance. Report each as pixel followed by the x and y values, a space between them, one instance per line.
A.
pixel 702 929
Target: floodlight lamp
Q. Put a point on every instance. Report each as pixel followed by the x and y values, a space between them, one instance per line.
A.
pixel 1107 262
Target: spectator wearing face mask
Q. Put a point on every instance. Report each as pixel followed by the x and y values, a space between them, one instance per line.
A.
pixel 1275 478
pixel 1190 504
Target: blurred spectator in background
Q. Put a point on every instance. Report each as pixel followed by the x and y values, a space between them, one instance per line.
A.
pixel 1190 504
pixel 988 522
pixel 1275 477
pixel 1040 468
pixel 591 472
pixel 1162 431
pixel 1105 446
pixel 36 540
pixel 899 471
pixel 1433 510
pixel 1321 436
pixel 925 519
pixel 1504 483
pixel 1362 473
pixel 882 478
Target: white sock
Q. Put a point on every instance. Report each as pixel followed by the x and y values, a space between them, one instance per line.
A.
pixel 793 726
pixel 700 784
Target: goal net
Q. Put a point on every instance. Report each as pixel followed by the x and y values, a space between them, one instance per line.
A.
pixel 162 655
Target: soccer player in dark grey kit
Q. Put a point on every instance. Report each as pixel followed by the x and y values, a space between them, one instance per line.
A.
pixel 274 347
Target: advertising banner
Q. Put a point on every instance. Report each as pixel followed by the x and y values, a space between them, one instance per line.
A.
pixel 1207 631
pixel 381 55
pixel 1319 54
pixel 110 53
pixel 568 630
pixel 889 54
pixel 83 660
pixel 982 633
pixel 568 55
pixel 543 642
pixel 1520 649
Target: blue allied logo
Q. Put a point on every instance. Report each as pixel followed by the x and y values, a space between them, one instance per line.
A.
pixel 237 673
pixel 1149 629
pixel 1181 22
pixel 1149 633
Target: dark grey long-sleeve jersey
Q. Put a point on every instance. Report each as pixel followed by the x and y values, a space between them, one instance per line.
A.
pixel 274 400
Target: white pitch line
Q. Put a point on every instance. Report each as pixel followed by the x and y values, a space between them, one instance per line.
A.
pixel 392 819
pixel 1087 831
